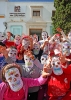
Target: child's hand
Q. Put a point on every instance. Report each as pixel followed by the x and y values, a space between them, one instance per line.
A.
pixel 59 29
pixel 46 71
pixel 62 58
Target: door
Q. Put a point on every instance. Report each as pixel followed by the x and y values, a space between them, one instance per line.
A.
pixel 36 31
pixel 16 30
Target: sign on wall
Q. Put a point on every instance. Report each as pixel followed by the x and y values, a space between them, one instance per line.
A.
pixel 17 11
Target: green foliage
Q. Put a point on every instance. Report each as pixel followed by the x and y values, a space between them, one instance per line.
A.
pixel 62 17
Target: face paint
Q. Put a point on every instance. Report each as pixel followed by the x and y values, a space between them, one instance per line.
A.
pixel 44 35
pixel 36 49
pixel 17 40
pixel 13 78
pixel 2 37
pixel 57 40
pixel 46 49
pixel 28 61
pixel 25 43
pixel 66 48
pixel 69 36
pixel 43 59
pixel 56 65
pixel 12 53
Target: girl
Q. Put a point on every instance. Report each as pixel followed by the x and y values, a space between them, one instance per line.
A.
pixel 14 87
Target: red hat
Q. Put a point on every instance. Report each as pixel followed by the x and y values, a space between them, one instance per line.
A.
pixel 57 34
pixel 25 37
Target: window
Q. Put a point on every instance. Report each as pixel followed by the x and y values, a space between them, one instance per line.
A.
pixel 36 13
pixel 17 9
pixel 53 13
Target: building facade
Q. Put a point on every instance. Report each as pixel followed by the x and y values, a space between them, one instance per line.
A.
pixel 26 17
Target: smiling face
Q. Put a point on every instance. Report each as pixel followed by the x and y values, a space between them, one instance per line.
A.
pixel 12 53
pixel 56 65
pixel 13 78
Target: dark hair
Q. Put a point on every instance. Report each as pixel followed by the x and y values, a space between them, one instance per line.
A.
pixel 13 47
pixel 2 44
pixel 46 33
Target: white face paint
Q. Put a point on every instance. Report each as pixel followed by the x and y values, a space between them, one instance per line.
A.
pixel 13 78
pixel 25 43
pixel 36 49
pixel 66 48
pixel 56 65
pixel 44 35
pixel 57 40
pixel 69 36
pixel 2 37
pixel 17 40
pixel 28 62
pixel 13 54
pixel 43 59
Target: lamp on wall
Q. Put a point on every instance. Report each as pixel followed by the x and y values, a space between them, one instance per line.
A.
pixel 5 24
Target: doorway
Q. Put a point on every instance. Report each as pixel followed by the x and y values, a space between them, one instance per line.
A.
pixel 35 31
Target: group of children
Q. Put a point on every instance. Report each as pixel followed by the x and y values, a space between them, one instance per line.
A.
pixel 33 69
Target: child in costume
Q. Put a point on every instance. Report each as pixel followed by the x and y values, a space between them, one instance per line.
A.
pixel 17 40
pixel 44 37
pixel 12 53
pixel 26 44
pixel 31 70
pixel 59 81
pixel 14 87
pixel 4 58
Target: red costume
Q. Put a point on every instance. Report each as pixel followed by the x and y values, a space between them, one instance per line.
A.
pixel 59 85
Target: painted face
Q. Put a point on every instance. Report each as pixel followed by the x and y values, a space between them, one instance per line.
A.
pixel 46 48
pixel 69 36
pixel 66 48
pixel 13 78
pixel 17 40
pixel 28 61
pixel 57 39
pixel 25 43
pixel 43 59
pixel 36 48
pixel 56 65
pixel 2 37
pixel 35 38
pixel 13 54
pixel 44 35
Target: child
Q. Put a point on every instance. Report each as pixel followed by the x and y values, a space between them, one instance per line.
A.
pixel 14 87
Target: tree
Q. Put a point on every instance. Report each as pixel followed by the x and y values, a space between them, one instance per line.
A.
pixel 62 17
